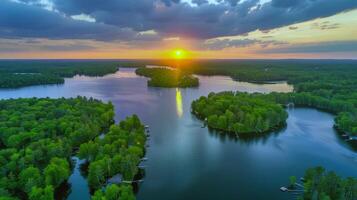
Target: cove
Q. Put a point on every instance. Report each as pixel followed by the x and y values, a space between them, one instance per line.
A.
pixel 186 161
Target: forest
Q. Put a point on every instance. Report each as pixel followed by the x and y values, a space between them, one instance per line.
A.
pixel 330 85
pixel 118 152
pixel 161 77
pixel 38 137
pixel 239 112
pixel 344 121
pixel 14 74
pixel 323 185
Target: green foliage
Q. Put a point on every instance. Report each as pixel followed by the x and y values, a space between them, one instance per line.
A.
pixel 292 180
pixel 114 192
pixel 346 111
pixel 56 172
pixel 38 137
pixel 29 178
pixel 8 80
pixel 328 84
pixel 239 112
pixel 160 77
pixel 322 185
pixel 42 193
pixel 15 74
pixel 118 152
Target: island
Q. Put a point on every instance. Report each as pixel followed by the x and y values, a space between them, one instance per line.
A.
pixel 328 85
pixel 167 77
pixel 239 113
pixel 40 135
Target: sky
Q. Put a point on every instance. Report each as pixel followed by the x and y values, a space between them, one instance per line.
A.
pixel 153 29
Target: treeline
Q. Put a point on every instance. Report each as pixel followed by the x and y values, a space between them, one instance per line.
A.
pixel 330 85
pixel 20 80
pixel 239 112
pixel 15 74
pixel 38 137
pixel 322 185
pixel 160 77
pixel 345 110
pixel 118 152
pixel 215 105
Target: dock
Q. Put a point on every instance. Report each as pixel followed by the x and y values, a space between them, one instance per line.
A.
pixel 135 181
pixel 294 190
pixel 352 138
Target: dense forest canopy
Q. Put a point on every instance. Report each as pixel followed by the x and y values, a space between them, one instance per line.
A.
pixel 119 152
pixel 38 138
pixel 162 77
pixel 239 112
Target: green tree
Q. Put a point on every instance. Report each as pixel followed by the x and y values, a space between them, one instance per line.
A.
pixel 29 178
pixel 56 172
pixel 42 193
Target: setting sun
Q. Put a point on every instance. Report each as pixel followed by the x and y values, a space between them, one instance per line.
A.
pixel 179 54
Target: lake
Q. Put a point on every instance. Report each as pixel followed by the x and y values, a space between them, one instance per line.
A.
pixel 186 161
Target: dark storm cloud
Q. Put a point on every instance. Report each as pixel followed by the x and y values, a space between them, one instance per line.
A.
pixel 124 19
pixel 287 3
pixel 20 20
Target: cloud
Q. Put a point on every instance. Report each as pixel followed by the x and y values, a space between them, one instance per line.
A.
pixel 321 47
pixel 326 25
pixel 218 44
pixel 19 20
pixel 125 19
pixel 30 45
pixel 83 17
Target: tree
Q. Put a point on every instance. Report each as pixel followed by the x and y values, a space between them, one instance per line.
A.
pixel 56 172
pixel 42 193
pixel 29 178
pixel 112 192
pixel 96 174
pixel 126 192
pixel 292 180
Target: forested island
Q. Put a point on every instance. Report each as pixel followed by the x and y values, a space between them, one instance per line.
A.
pixel 218 104
pixel 39 136
pixel 323 185
pixel 330 85
pixel 239 112
pixel 162 77
pixel 15 74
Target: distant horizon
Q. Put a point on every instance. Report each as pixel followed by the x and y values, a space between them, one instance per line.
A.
pixel 156 59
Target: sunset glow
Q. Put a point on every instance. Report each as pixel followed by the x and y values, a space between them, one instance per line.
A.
pixel 179 54
pixel 221 31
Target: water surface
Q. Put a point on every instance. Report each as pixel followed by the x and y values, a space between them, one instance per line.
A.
pixel 187 161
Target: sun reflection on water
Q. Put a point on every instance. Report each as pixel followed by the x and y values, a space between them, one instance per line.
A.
pixel 179 109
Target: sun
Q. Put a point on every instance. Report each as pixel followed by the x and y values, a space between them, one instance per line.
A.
pixel 179 54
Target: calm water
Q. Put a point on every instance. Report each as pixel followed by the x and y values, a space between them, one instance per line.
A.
pixel 189 162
